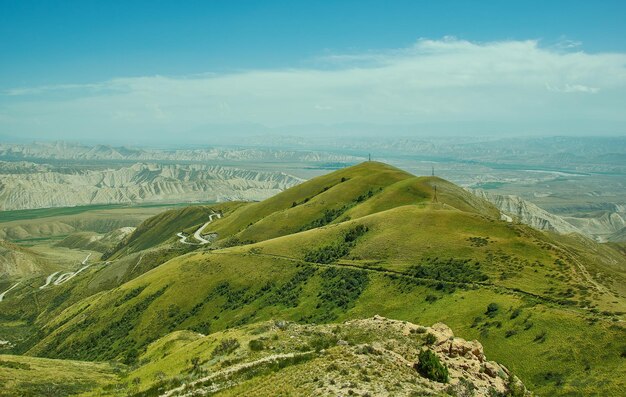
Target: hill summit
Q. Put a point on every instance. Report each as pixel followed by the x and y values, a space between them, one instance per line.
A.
pixel 361 241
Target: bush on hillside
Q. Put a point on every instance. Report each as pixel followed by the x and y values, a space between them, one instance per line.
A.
pixel 451 269
pixel 256 345
pixel 430 339
pixel 327 254
pixel 331 252
pixel 225 347
pixel 429 366
pixel 492 309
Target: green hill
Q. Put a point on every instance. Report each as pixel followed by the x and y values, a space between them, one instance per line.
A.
pixel 362 241
pixel 163 227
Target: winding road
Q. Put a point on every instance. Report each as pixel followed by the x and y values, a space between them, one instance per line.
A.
pixel 4 293
pixel 49 280
pixel 198 233
pixel 65 276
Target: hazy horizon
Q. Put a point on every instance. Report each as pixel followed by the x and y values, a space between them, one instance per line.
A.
pixel 225 74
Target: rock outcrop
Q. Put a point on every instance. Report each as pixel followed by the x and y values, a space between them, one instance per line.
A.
pixel 603 227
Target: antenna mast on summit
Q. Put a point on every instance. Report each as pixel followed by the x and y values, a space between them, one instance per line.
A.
pixel 369 157
pixel 433 171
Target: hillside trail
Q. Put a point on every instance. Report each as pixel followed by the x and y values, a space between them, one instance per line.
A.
pixel 5 292
pixel 583 269
pixel 515 291
pixel 198 233
pixel 231 370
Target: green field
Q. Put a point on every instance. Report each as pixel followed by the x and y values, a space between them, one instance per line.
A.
pixel 38 213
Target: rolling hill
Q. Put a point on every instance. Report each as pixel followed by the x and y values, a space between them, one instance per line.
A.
pixel 16 261
pixel 362 241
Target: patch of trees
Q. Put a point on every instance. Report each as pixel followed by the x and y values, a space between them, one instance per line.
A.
pixel 334 213
pixel 328 253
pixel 133 293
pixel 234 241
pixel 288 293
pixel 340 288
pixel 328 216
pixel 331 252
pixel 455 270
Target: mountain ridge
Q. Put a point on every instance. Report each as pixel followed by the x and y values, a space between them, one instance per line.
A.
pixel 365 240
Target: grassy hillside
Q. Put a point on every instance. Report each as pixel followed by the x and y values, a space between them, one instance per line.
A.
pixel 374 356
pixel 30 376
pixel 315 203
pixel 17 262
pixel 358 242
pixel 163 227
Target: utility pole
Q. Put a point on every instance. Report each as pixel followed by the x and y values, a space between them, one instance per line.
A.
pixel 369 157
pixel 435 195
pixel 433 174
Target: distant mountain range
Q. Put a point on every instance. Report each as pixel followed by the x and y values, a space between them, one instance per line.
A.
pixel 72 151
pixel 25 185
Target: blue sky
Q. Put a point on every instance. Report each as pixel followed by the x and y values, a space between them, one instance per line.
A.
pixel 83 68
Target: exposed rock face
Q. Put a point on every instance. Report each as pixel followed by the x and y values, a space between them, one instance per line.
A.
pixel 466 360
pixel 604 227
pixel 528 213
pixel 607 226
pixel 40 186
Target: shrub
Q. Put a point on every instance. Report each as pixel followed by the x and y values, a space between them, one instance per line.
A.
pixel 14 365
pixel 430 339
pixel 510 333
pixel 225 346
pixel 321 342
pixel 256 345
pixel 430 298
pixel 492 309
pixel 541 337
pixel 429 366
pixel 516 313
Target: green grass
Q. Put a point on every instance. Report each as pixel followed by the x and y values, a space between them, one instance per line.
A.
pixel 416 260
pixel 32 376
pixel 38 213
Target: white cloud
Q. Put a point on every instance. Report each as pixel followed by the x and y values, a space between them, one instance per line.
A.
pixel 569 88
pixel 509 86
